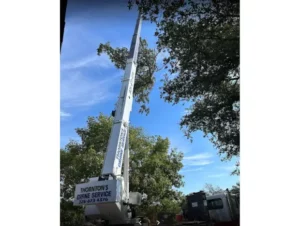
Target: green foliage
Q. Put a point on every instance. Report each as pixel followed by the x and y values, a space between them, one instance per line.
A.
pixel 153 170
pixel 146 67
pixel 204 67
pixel 235 189
pixel 70 215
pixel 212 190
pixel 170 205
pixel 237 169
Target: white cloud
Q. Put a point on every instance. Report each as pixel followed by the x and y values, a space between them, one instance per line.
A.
pixel 198 156
pixel 80 90
pixel 192 170
pixel 227 168
pixel 89 61
pixel 198 159
pixel 199 163
pixel 64 114
pixel 217 175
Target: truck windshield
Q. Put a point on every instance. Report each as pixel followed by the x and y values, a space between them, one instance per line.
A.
pixel 215 204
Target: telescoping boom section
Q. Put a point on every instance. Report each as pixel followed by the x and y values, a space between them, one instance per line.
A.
pixel 116 145
pixel 107 197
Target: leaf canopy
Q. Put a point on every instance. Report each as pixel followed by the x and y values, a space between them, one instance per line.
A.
pixel 154 166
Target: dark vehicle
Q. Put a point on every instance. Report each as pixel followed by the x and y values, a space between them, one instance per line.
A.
pixel 196 207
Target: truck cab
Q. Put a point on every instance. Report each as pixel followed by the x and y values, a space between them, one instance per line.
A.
pixel 223 207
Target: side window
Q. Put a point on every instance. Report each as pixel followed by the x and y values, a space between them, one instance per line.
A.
pixel 215 204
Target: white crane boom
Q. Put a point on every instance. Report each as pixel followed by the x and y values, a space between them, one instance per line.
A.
pixel 117 141
pixel 108 196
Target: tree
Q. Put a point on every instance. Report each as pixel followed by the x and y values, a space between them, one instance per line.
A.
pixel 146 67
pixel 235 189
pixel 70 215
pixel 154 167
pixel 237 169
pixel 202 70
pixel 212 190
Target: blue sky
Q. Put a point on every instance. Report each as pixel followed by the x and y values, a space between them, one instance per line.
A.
pixel 90 84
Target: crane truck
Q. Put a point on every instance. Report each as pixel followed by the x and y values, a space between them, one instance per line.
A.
pixel 218 210
pixel 107 197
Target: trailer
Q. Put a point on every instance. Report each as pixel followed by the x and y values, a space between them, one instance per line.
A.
pixel 217 210
pixel 223 209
